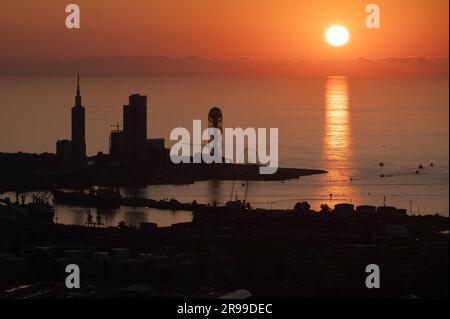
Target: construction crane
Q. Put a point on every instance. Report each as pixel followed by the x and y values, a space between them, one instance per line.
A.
pixel 246 181
pixel 117 126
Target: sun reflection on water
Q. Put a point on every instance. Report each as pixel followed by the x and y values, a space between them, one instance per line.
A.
pixel 337 150
pixel 337 120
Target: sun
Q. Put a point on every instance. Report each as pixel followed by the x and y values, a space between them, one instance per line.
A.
pixel 337 35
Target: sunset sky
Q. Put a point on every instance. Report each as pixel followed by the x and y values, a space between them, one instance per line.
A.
pixel 32 31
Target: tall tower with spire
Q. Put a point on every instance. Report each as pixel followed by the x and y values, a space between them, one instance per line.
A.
pixel 78 130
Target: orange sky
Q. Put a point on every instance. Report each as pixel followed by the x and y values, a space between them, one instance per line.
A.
pixel 278 29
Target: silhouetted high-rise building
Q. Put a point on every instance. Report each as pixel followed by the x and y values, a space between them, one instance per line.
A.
pixel 156 151
pixel 116 145
pixel 215 119
pixel 63 150
pixel 135 129
pixel 78 145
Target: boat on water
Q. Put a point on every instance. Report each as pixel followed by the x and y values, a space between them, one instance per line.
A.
pixel 94 197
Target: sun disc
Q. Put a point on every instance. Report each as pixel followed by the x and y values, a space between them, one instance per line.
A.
pixel 337 35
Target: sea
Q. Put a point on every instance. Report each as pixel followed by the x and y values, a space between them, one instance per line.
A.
pixel 383 141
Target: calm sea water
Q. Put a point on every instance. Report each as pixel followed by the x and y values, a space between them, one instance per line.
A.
pixel 347 126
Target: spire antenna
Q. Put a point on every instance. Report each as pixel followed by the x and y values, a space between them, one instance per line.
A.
pixel 78 96
pixel 78 84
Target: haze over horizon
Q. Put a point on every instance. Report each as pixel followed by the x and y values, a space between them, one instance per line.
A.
pixel 216 66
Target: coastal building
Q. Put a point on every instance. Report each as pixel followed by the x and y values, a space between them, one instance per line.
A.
pixel 116 145
pixel 131 144
pixel 387 210
pixel 135 129
pixel 215 119
pixel 366 209
pixel 155 144
pixel 63 150
pixel 78 145
pixel 156 150
pixel 344 209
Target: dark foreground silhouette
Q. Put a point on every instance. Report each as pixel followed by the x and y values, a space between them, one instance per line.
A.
pixel 278 254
